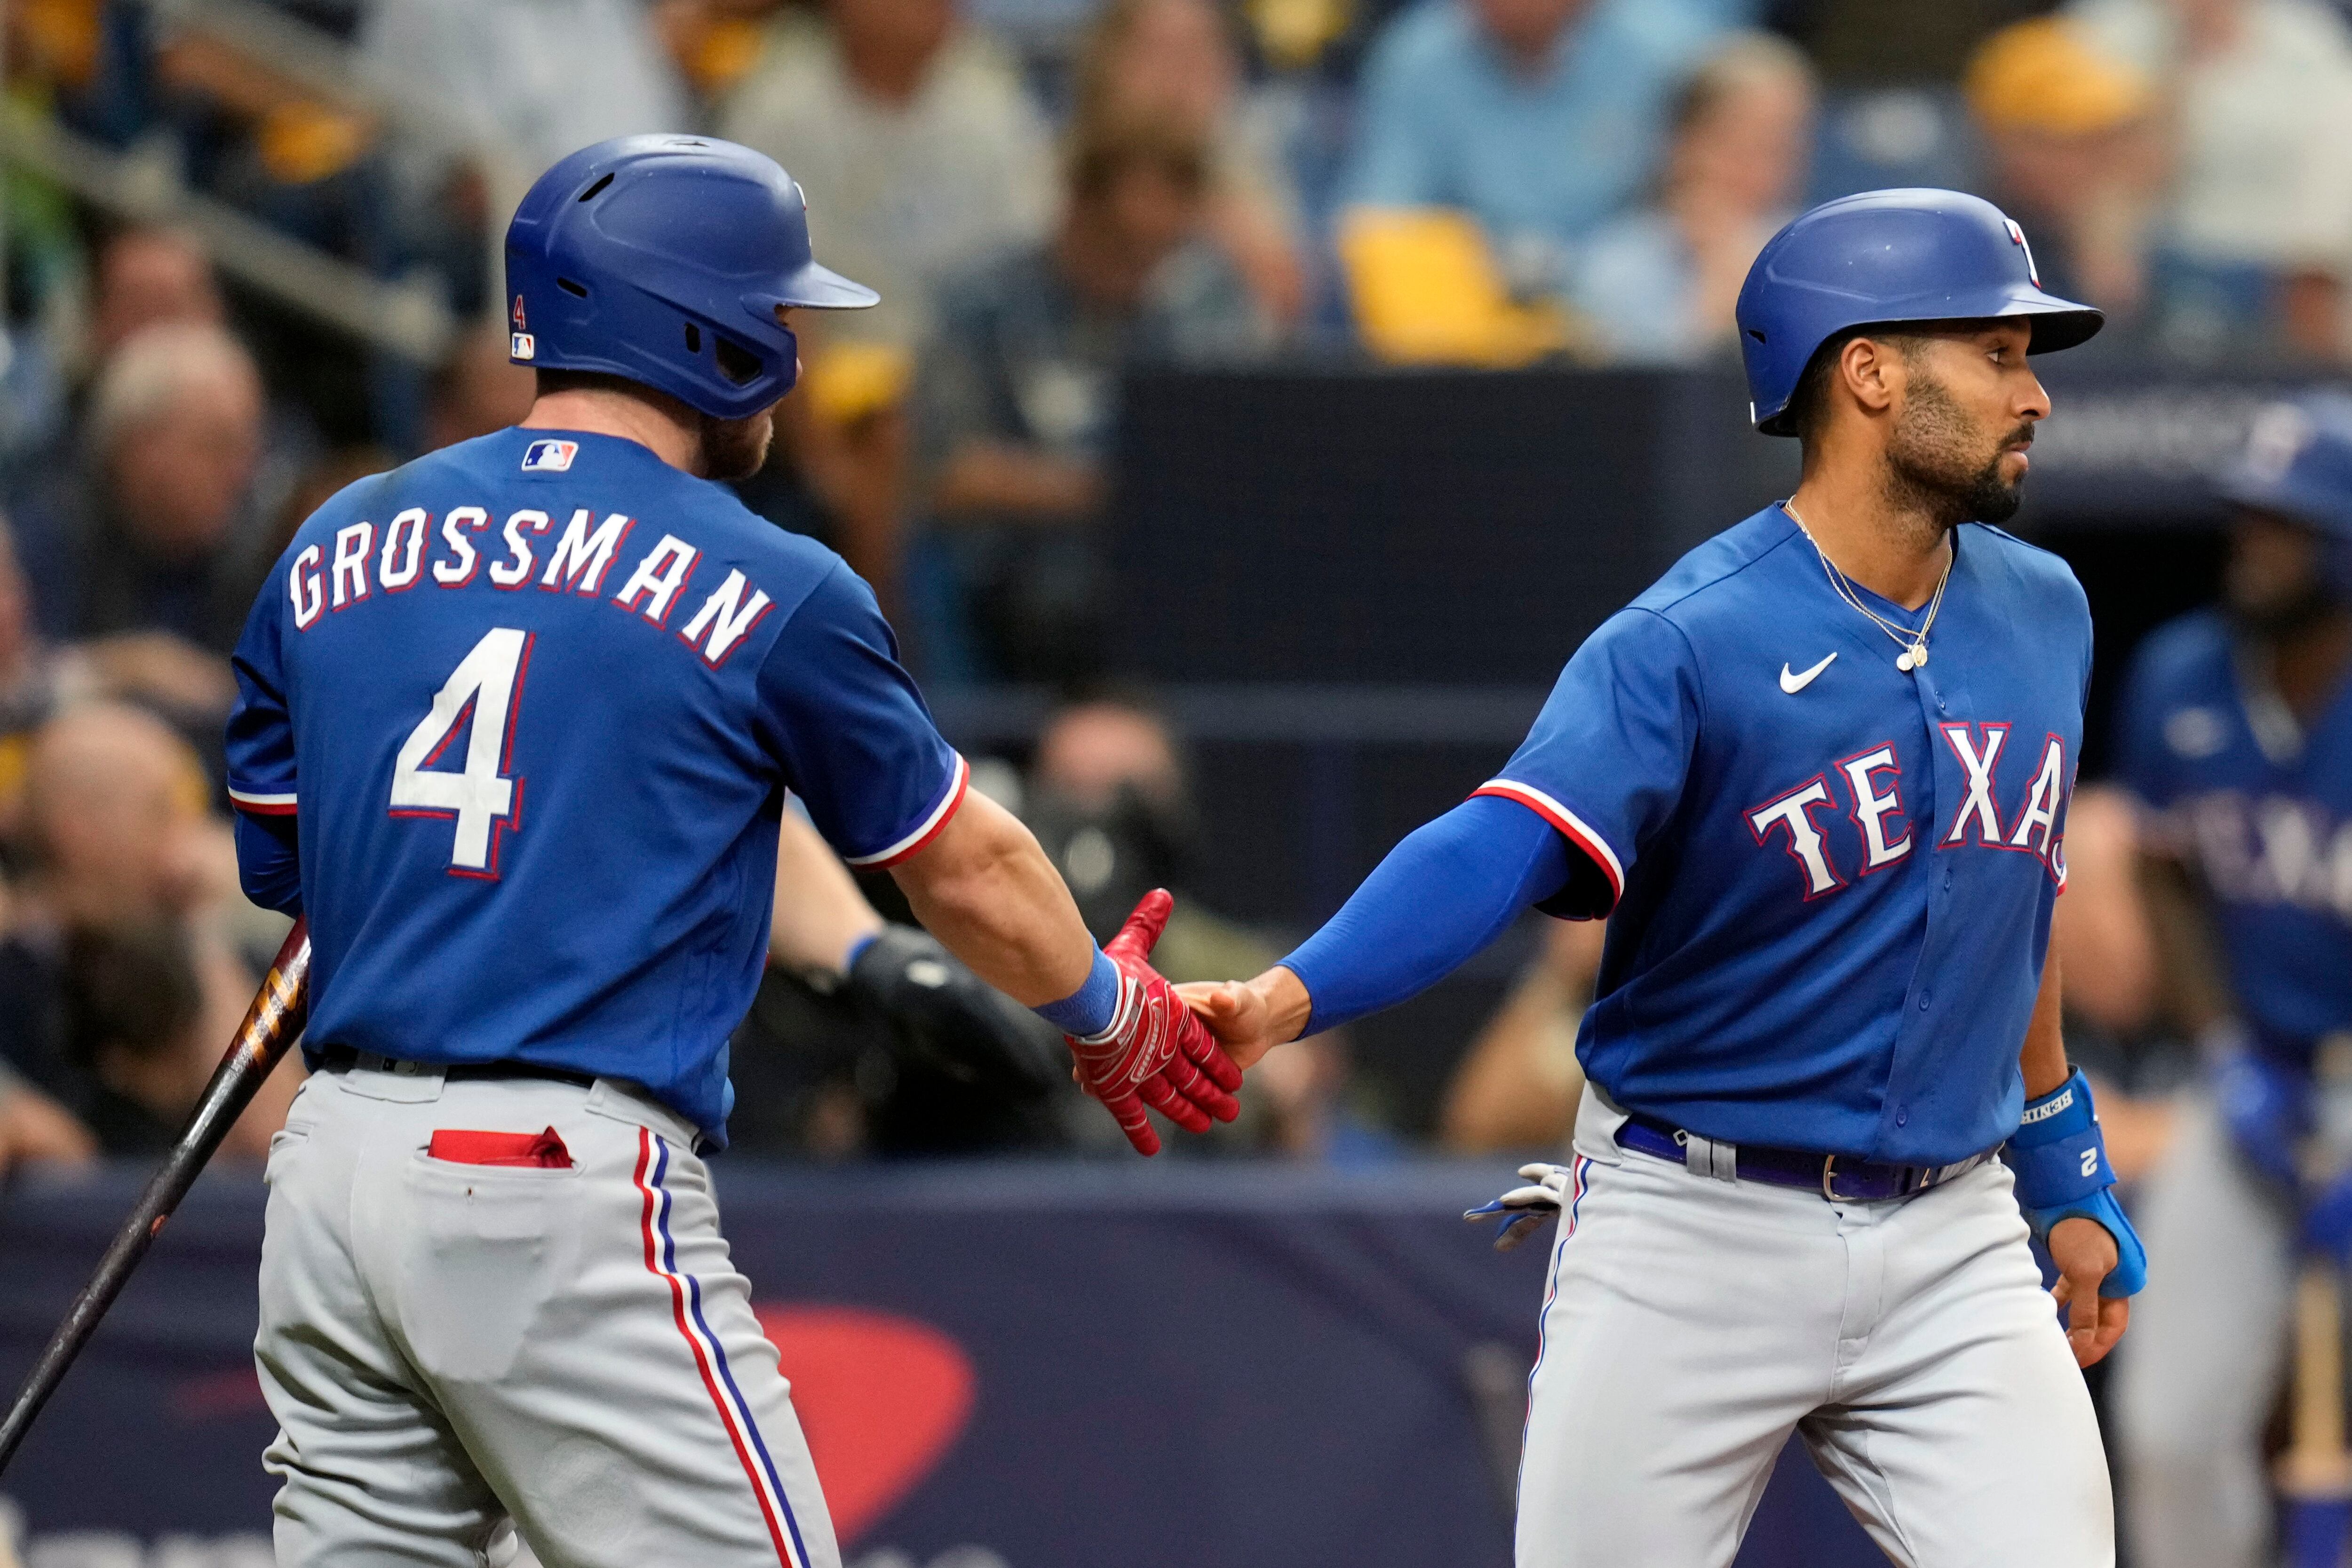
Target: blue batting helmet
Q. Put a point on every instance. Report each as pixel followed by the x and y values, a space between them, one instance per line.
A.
pixel 1880 258
pixel 668 260
pixel 2298 463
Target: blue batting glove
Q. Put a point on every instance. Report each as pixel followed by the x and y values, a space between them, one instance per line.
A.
pixel 2060 1160
pixel 2264 1103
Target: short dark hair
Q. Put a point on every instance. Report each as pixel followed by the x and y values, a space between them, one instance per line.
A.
pixel 1810 403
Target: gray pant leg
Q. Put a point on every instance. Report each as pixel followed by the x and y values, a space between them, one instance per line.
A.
pixel 2197 1374
pixel 592 1343
pixel 1961 1434
pixel 370 1472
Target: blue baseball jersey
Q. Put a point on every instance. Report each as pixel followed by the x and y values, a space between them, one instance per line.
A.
pixel 2261 810
pixel 1830 882
pixel 534 703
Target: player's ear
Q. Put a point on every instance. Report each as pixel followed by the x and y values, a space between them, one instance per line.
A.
pixel 1871 372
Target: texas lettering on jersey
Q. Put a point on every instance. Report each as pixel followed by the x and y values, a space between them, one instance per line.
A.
pixel 459 550
pixel 2270 849
pixel 1865 790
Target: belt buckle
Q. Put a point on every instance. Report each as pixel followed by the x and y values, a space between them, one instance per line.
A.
pixel 1829 1178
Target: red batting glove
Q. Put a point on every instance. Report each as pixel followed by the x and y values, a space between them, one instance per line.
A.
pixel 1156 1052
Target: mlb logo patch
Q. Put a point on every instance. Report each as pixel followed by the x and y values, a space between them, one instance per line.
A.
pixel 548 457
pixel 523 346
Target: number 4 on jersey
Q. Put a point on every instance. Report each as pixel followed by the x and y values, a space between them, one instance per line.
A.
pixel 487 681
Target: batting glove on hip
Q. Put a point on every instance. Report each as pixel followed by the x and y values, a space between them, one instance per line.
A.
pixel 1524 1210
pixel 1156 1052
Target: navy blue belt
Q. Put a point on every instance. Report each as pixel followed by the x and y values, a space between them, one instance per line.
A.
pixel 1833 1177
pixel 342 1058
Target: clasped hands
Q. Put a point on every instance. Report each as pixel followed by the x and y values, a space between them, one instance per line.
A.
pixel 1178 1049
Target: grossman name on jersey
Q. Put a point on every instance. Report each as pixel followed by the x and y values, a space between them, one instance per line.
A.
pixel 412 551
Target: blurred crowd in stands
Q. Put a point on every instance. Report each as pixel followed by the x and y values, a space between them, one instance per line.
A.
pixel 1050 196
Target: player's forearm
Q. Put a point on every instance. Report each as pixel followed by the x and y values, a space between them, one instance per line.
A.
pixel 269 862
pixel 985 889
pixel 1450 888
pixel 820 914
pixel 2043 1058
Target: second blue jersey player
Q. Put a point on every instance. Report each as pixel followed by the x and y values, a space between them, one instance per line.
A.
pixel 516 724
pixel 1817 778
pixel 2237 739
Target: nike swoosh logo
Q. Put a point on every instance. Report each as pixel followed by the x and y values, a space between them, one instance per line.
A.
pixel 1793 685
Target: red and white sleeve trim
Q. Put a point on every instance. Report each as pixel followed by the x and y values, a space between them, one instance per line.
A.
pixel 928 828
pixel 1578 831
pixel 262 805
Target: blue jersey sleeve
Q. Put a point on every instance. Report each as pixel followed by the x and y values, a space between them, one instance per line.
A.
pixel 261 742
pixel 1450 888
pixel 855 737
pixel 1605 762
pixel 261 777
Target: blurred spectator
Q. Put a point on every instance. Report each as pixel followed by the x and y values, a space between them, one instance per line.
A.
pixel 145 277
pixel 478 390
pixel 2073 155
pixel 1538 118
pixel 1018 393
pixel 1109 798
pixel 31 674
pixel 168 533
pixel 133 1009
pixel 39 678
pixel 35 1129
pixel 1519 1086
pixel 915 140
pixel 519 85
pixel 1175 60
pixel 128 877
pixel 1657 286
pixel 1908 43
pixel 533 79
pixel 921 155
pixel 2256 236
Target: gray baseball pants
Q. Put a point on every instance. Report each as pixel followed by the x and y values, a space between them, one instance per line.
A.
pixel 448 1345
pixel 2201 1368
pixel 1693 1323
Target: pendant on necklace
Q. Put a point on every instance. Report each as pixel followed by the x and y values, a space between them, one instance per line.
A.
pixel 1911 658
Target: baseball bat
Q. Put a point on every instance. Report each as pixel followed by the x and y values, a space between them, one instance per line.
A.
pixel 2315 1472
pixel 271 1025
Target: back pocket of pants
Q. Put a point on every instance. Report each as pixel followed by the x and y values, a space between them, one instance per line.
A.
pixel 486 1246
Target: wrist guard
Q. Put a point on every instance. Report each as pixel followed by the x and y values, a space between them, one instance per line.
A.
pixel 2060 1160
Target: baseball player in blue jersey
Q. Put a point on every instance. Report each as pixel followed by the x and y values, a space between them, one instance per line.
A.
pixel 2237 739
pixel 1817 779
pixel 516 724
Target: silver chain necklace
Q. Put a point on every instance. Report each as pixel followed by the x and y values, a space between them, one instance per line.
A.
pixel 1913 643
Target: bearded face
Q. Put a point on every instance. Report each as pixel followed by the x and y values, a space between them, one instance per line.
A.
pixel 1949 463
pixel 735 448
